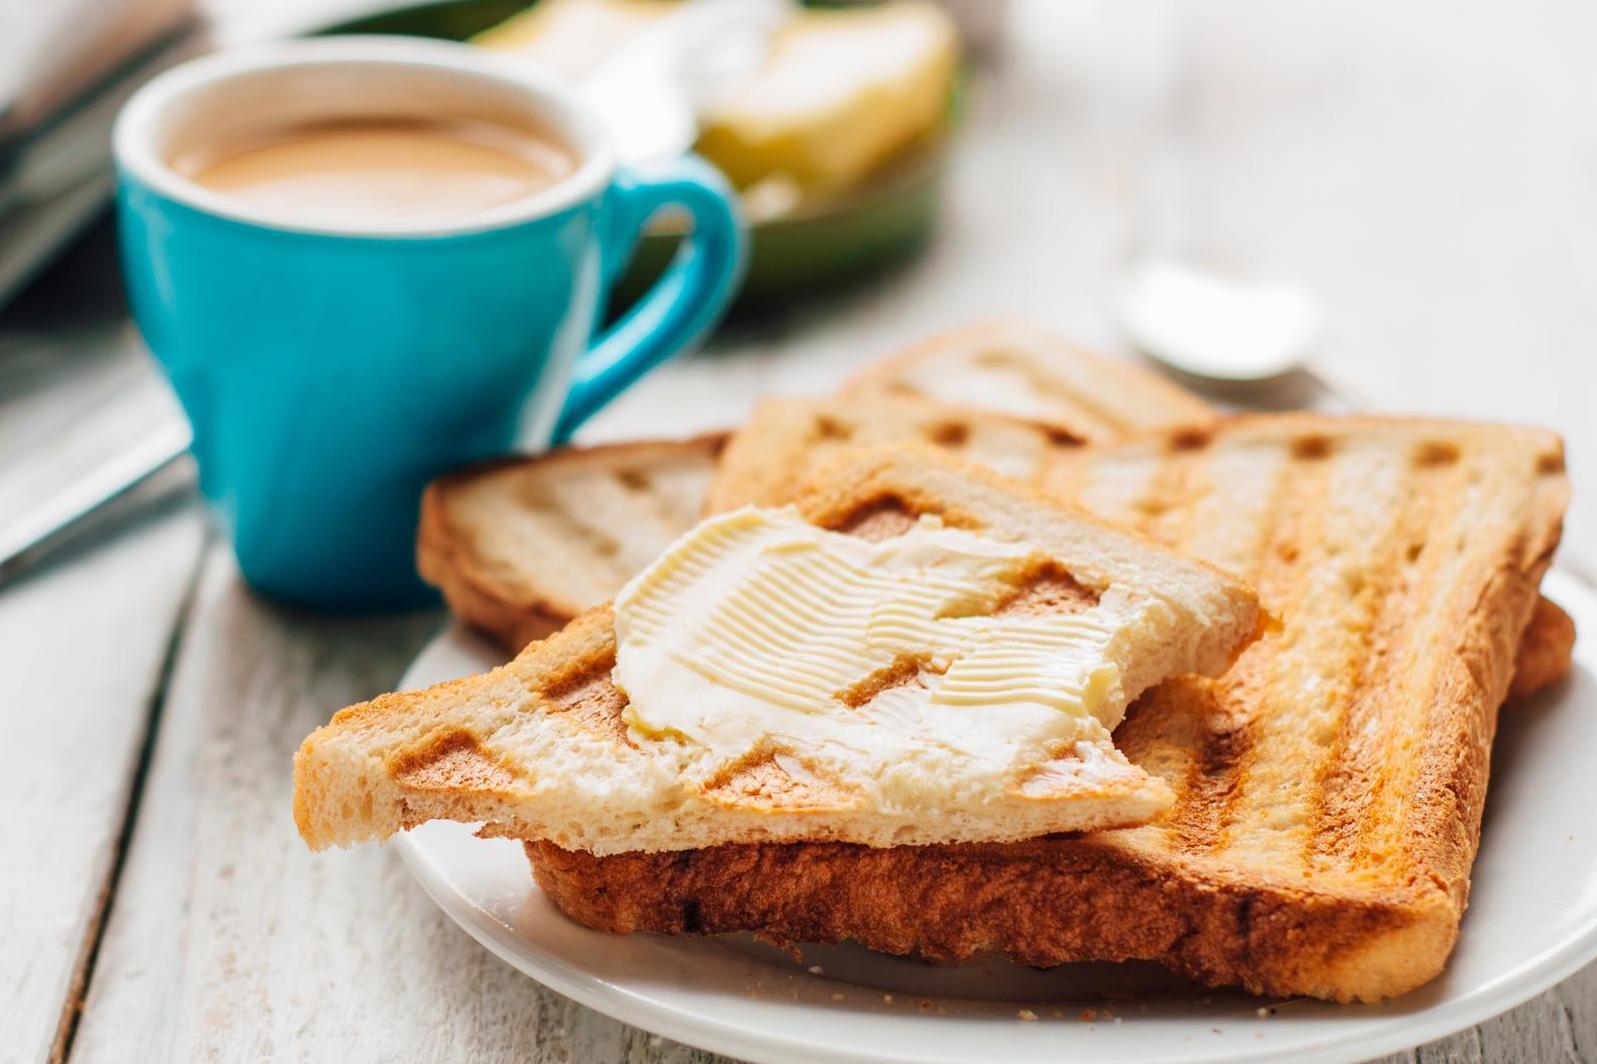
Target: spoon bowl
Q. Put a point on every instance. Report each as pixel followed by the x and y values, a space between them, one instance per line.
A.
pixel 1221 331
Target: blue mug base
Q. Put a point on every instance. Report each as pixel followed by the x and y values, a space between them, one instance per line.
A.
pixel 347 598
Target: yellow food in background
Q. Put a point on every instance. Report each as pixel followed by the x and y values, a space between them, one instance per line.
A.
pixel 843 92
pixel 573 36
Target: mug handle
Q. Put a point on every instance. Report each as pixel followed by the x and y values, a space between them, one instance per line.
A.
pixel 683 304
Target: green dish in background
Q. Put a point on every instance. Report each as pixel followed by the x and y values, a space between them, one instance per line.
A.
pixel 876 225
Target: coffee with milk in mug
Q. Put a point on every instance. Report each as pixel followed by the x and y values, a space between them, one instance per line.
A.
pixel 379 171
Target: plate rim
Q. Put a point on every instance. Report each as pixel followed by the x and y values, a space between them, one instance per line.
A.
pixel 1479 1004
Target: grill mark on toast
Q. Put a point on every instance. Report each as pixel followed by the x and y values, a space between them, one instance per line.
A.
pixel 1169 502
pixel 769 778
pixel 950 434
pixel 879 519
pixel 1080 406
pixel 1218 787
pixel 827 427
pixel 634 480
pixel 1215 778
pixel 588 693
pixel 1435 835
pixel 451 760
pixel 903 669
pixel 1191 438
pixel 1044 590
pixel 559 521
pixel 1047 590
pixel 1350 776
pixel 1220 739
pixel 641 488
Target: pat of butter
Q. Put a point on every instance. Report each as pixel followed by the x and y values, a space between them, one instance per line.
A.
pixel 574 36
pixel 756 629
pixel 842 93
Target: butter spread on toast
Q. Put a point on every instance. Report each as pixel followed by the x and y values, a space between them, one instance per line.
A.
pixel 757 627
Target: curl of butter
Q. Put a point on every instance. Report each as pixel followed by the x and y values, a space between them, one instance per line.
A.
pixel 758 629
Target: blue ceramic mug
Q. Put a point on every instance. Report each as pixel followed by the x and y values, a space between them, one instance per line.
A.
pixel 330 373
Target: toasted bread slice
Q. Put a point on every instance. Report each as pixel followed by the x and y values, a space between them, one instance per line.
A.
pixel 1328 788
pixel 520 546
pixel 539 748
pixel 1022 371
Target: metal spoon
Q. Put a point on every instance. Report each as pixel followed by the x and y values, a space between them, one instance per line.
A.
pixel 1228 333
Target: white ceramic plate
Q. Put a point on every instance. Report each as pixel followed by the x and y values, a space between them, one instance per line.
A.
pixel 1532 921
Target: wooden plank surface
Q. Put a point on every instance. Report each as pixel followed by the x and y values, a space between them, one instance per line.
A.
pixel 226 934
pixel 85 643
pixel 83 640
pixel 1428 169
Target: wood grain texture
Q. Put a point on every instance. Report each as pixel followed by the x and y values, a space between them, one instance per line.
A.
pixel 1427 168
pixel 84 643
pixel 1559 1026
pixel 84 634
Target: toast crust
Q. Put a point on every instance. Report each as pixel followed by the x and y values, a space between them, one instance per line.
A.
pixel 1040 903
pixel 1350 890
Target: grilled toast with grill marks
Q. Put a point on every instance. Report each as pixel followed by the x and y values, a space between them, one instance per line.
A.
pixel 541 749
pixel 1022 371
pixel 1329 787
pixel 521 545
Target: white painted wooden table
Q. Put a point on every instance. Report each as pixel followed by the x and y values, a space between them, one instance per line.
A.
pixel 1429 168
